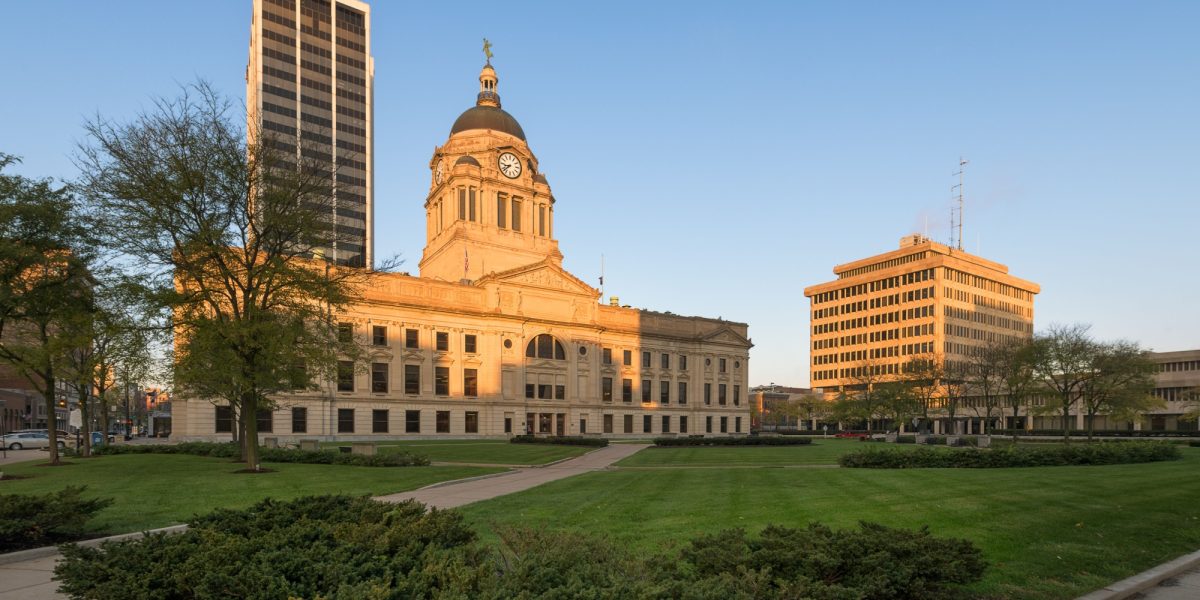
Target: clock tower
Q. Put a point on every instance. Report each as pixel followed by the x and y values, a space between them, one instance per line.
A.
pixel 489 208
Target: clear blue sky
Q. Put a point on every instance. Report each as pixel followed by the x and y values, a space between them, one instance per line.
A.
pixel 723 156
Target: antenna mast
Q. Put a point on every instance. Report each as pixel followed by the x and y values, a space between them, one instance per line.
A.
pixel 601 278
pixel 962 163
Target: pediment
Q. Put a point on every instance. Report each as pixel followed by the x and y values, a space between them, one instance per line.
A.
pixel 725 335
pixel 544 275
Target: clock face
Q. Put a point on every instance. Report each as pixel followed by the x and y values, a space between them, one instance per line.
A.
pixel 440 171
pixel 510 165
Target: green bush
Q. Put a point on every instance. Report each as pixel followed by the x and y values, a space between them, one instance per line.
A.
pixel 906 439
pixel 754 440
pixel 33 521
pixel 1013 456
pixel 1100 432
pixel 560 440
pixel 275 455
pixel 1194 443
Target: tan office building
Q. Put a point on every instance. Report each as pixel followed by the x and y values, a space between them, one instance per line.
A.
pixel 922 299
pixel 310 85
pixel 495 338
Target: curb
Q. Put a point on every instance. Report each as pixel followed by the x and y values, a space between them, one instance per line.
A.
pixel 44 551
pixel 1146 579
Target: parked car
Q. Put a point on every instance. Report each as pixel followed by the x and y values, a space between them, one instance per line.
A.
pixel 28 439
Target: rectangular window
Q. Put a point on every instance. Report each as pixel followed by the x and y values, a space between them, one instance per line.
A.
pixel 682 362
pixel 345 420
pixel 501 209
pixel 441 381
pixel 462 204
pixel 627 358
pixel 379 421
pixel 410 339
pixel 516 215
pixel 264 422
pixel 683 392
pixel 721 363
pixel 345 333
pixel 544 390
pixel 412 379
pixel 724 424
pixel 299 419
pixel 470 383
pixel 531 390
pixel 560 392
pixel 683 424
pixel 507 424
pixel 664 392
pixel 626 390
pixel 721 394
pixel 737 424
pixel 646 391
pixel 666 424
pixel 665 362
pixel 708 393
pixel 441 341
pixel 472 422
pixel 529 419
pixel 628 423
pixel 582 425
pixel 646 360
pixel 708 424
pixel 542 220
pixel 646 422
pixel 606 389
pixel 607 356
pixel 443 421
pixel 224 419
pixel 544 423
pixel 469 344
pixel 345 376
pixel 412 421
pixel 471 206
pixel 379 378
pixel 379 335
pixel 737 395
pixel 608 424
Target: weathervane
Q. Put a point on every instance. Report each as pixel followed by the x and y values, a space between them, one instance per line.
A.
pixel 487 50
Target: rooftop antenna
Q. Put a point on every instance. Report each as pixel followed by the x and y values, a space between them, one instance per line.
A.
pixel 601 277
pixel 962 163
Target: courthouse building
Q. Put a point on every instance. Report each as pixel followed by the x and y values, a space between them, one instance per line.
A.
pixel 495 338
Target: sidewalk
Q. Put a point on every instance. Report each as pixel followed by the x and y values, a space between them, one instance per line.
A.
pixel 31 579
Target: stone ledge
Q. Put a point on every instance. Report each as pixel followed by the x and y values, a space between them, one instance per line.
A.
pixel 1146 579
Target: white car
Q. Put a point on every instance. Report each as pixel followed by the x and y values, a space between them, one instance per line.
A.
pixel 27 439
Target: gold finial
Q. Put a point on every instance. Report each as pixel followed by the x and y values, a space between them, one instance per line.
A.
pixel 487 50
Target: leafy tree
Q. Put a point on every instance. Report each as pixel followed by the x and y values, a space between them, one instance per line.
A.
pixel 923 375
pixel 1063 357
pixel 44 282
pixel 897 402
pixel 858 401
pixel 226 237
pixel 1120 384
pixel 985 377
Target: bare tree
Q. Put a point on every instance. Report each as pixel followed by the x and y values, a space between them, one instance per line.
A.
pixel 1015 368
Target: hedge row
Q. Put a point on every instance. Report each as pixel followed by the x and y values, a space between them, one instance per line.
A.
pixel 54 518
pixel 338 547
pixel 561 440
pixel 274 455
pixel 1099 432
pixel 754 440
pixel 1013 456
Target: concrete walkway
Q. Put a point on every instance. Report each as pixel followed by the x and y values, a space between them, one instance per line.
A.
pixel 32 579
pixel 1185 586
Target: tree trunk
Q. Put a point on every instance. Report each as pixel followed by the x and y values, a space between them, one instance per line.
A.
pixel 85 450
pixel 1091 422
pixel 1066 419
pixel 51 416
pixel 250 427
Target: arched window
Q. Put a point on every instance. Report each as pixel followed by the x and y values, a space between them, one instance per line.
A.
pixel 545 346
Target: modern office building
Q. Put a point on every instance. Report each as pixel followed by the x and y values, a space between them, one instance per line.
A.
pixel 923 299
pixel 495 337
pixel 309 86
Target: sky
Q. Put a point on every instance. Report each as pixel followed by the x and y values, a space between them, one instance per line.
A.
pixel 722 157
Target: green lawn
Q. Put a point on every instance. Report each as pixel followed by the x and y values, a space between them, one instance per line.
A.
pixel 820 452
pixel 155 490
pixel 490 452
pixel 1051 532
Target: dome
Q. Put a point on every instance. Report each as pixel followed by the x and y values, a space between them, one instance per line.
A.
pixel 466 160
pixel 488 117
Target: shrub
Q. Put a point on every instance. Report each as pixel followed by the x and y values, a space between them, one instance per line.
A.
pixel 1100 432
pixel 1194 443
pixel 906 439
pixel 754 440
pixel 33 521
pixel 1013 456
pixel 561 440
pixel 275 455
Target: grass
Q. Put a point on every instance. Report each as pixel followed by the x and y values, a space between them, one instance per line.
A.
pixel 1049 533
pixel 489 452
pixel 156 490
pixel 820 452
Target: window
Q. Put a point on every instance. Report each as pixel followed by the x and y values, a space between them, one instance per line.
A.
pixel 412 379
pixel 531 390
pixel 471 205
pixel 299 419
pixel 379 335
pixel 544 423
pixel 582 425
pixel 626 390
pixel 379 421
pixel 737 395
pixel 345 376
pixel 721 365
pixel 345 333
pixel 682 362
pixel 462 204
pixel 708 424
pixel 545 346
pixel 665 362
pixel 724 424
pixel 542 220
pixel 379 378
pixel 708 393
pixel 683 424
pixel 666 424
pixel 606 389
pixel 264 422
pixel 544 391
pixel 500 210
pixel 646 390
pixel 646 360
pixel 441 341
pixel 410 338
pixel 345 420
pixel 737 424
pixel 683 392
pixel 529 419
pixel 627 358
pixel 608 424
pixel 441 381
pixel 721 389
pixel 646 422
pixel 516 214
pixel 472 422
pixel 664 392
pixel 412 421
pixel 560 392
pixel 507 424
pixel 607 356
pixel 470 383
pixel 443 421
pixel 224 419
pixel 469 344
pixel 628 423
